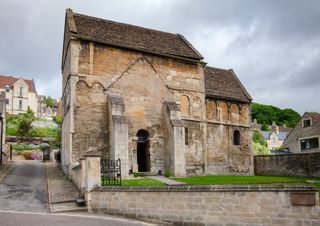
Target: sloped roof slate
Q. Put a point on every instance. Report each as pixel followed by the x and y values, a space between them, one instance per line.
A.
pixel 225 84
pixel 130 36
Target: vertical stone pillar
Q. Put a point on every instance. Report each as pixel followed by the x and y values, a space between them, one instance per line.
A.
pixel 175 141
pixel 92 170
pixel 118 130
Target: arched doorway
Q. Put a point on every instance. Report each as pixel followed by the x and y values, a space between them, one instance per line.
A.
pixel 143 153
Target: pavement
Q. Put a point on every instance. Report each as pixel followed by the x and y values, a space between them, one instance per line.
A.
pixel 166 180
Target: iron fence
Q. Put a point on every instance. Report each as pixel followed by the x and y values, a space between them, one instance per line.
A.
pixel 110 172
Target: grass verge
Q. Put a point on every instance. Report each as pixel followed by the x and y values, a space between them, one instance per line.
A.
pixel 143 182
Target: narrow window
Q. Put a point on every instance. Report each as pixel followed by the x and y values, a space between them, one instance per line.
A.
pixel 236 137
pixel 20 104
pixel 186 140
pixel 306 123
pixel 7 101
pixel 20 91
pixel 7 88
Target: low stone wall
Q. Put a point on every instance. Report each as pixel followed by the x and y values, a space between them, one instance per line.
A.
pixel 211 205
pixel 305 165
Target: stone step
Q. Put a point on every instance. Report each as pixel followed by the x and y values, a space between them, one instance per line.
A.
pixel 68 206
pixel 145 174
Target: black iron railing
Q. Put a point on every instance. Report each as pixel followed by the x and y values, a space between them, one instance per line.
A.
pixel 110 172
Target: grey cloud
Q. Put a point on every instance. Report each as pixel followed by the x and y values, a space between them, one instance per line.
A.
pixel 273 45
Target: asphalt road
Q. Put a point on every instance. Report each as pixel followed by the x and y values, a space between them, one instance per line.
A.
pixel 35 219
pixel 25 188
pixel 24 202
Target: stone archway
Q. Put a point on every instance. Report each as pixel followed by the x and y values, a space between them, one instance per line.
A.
pixel 143 151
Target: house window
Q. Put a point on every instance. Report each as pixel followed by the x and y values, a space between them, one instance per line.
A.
pixel 20 91
pixel 7 101
pixel 307 123
pixel 7 88
pixel 309 143
pixel 236 137
pixel 186 140
pixel 20 104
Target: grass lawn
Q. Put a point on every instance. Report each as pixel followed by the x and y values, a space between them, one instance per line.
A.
pixel 211 180
pixel 142 182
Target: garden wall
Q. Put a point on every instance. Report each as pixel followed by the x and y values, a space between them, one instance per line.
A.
pixel 305 165
pixel 211 205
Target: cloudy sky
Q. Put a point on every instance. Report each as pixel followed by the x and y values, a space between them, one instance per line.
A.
pixel 273 45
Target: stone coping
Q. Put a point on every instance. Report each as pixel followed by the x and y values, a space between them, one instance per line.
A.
pixel 210 188
pixel 289 155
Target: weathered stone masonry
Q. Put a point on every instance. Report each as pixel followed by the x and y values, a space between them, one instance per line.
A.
pixel 153 104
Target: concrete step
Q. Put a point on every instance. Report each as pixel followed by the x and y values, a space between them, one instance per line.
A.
pixel 68 206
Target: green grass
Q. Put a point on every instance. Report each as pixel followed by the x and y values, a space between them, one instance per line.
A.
pixel 211 180
pixel 142 182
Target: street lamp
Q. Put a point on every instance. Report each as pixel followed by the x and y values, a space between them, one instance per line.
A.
pixel 1 119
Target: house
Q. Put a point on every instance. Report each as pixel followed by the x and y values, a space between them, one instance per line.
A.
pixel 147 97
pixel 305 136
pixel 45 111
pixel 20 94
pixel 275 136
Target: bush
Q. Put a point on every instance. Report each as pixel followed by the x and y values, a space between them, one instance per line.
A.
pixel 167 174
pixel 27 155
pixel 136 174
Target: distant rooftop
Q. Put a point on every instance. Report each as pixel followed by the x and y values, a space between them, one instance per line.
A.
pixel 10 80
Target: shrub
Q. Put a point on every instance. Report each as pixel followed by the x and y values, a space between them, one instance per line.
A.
pixel 136 174
pixel 167 174
pixel 27 155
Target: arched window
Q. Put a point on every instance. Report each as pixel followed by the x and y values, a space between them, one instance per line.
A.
pixel 185 105
pixel 236 137
pixel 186 140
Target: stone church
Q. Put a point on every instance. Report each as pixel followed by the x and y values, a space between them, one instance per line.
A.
pixel 146 97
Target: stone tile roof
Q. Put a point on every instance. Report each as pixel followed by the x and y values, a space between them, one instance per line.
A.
pixel 224 84
pixel 130 36
pixel 314 115
pixel 10 80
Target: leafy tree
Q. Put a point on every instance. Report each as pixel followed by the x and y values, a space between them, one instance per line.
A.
pixel 24 123
pixel 260 146
pixel 49 102
pixel 264 127
pixel 266 114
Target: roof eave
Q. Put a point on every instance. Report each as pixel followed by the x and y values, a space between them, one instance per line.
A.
pixel 228 98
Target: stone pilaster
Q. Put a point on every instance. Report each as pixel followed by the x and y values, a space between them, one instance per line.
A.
pixel 118 130
pixel 176 162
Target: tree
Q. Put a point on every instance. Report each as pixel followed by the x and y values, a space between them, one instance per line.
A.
pixel 25 123
pixel 264 127
pixel 49 101
pixel 266 114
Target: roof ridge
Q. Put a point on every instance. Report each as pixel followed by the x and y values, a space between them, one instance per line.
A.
pixel 122 23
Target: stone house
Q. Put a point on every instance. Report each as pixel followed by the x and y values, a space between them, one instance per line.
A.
pixel 146 97
pixel 305 136
pixel 45 111
pixel 20 94
pixel 275 136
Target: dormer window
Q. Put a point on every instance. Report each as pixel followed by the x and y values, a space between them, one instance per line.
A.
pixel 306 122
pixel 7 88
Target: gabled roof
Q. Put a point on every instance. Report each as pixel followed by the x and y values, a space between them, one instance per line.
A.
pixel 10 80
pixel 129 36
pixel 315 116
pixel 221 83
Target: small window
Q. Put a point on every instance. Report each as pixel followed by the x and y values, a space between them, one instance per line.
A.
pixel 186 140
pixel 309 143
pixel 20 104
pixel 236 137
pixel 306 123
pixel 7 101
pixel 7 88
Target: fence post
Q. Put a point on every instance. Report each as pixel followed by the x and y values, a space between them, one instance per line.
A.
pixel 92 170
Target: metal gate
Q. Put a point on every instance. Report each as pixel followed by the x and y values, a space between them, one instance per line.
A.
pixel 110 172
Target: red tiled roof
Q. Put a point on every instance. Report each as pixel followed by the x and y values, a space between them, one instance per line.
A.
pixel 130 36
pixel 223 83
pixel 10 80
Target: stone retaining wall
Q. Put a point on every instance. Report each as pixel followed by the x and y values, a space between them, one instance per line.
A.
pixel 304 165
pixel 211 205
